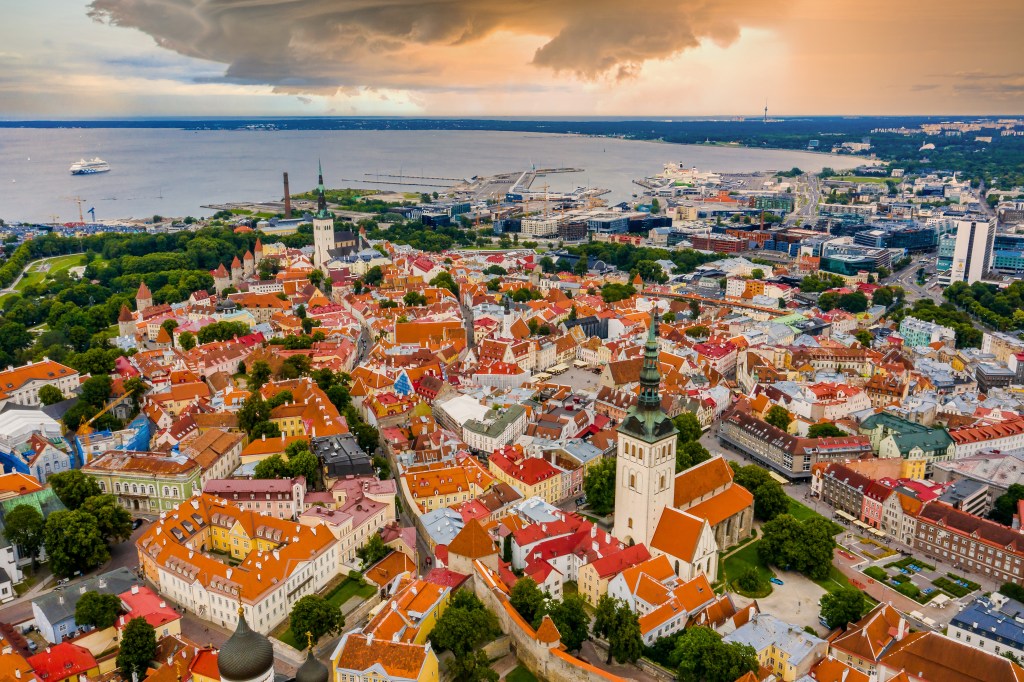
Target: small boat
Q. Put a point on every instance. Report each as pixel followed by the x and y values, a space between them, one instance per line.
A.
pixel 90 167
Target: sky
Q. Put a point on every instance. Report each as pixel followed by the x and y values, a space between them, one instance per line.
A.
pixel 70 59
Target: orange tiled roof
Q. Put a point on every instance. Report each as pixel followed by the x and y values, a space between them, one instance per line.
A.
pixel 47 370
pixel 548 632
pixel 698 481
pixel 725 504
pixel 164 542
pixel 398 659
pixel 18 483
pixel 389 568
pixel 472 542
pixel 677 534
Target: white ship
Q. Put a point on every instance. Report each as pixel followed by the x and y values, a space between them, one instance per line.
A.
pixel 84 167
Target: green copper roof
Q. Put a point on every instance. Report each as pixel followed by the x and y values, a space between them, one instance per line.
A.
pixel 646 420
pixel 321 197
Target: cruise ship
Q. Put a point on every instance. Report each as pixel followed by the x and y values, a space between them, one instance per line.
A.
pixel 83 167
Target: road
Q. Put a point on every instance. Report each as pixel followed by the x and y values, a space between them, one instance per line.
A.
pixel 122 555
pixel 807 192
pixel 13 288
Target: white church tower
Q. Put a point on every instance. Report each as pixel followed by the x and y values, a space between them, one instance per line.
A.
pixel 646 463
pixel 323 228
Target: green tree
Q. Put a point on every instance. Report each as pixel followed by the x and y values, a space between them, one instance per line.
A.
pixel 688 426
pixel 690 454
pixel 757 273
pixel 23 527
pixel 778 417
pixel 695 309
pixel 805 547
pixel 473 666
pixel 113 520
pixel 186 341
pixel 73 542
pixel 1005 505
pixel 254 410
pixel 96 390
pixel 655 206
pixel 138 647
pixel 304 463
pixel 751 582
pixel 770 499
pixel 281 398
pixel 625 641
pixel 316 278
pixel 295 366
pixel 273 466
pixel 1013 591
pixel 266 429
pixel 845 605
pixel 527 599
pixel 373 276
pixel 414 298
pixel 48 395
pixel 614 291
pixel 599 486
pixel 169 326
pixel 73 487
pixel 571 619
pixel 464 626
pixel 864 337
pixel 668 317
pixel 373 551
pixel 98 610
pixel 444 280
pixel 315 615
pixel 855 302
pixel 580 268
pixel 825 430
pixel 604 616
pixel 704 657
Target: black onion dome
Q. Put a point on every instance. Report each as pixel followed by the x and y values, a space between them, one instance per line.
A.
pixel 312 670
pixel 246 655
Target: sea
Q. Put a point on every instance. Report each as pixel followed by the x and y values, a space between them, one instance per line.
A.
pixel 173 172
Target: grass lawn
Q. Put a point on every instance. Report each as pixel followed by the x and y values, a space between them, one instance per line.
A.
pixel 348 589
pixel 742 559
pixel 65 263
pixel 801 511
pixel 520 674
pixel 835 581
pixel 339 595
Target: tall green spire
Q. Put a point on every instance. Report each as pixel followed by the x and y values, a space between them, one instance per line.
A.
pixel 650 377
pixel 646 420
pixel 321 197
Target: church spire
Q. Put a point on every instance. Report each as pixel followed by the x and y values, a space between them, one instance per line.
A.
pixel 321 197
pixel 650 377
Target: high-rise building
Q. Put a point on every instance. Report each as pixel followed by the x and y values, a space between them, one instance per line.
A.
pixel 646 463
pixel 972 251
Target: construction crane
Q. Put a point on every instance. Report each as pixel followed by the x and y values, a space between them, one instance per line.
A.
pixel 86 427
pixel 79 200
pixel 92 214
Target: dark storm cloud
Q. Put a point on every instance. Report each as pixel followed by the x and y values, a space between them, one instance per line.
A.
pixel 322 44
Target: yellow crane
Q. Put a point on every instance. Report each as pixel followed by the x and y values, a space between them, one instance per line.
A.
pixel 85 431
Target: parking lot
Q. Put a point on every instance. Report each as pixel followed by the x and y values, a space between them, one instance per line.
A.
pixel 581 380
